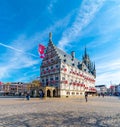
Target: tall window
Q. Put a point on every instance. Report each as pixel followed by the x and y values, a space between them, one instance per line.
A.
pixel 56 66
pixel 51 79
pixel 56 78
pixel 63 78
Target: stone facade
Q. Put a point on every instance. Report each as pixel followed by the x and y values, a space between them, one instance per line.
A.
pixel 66 75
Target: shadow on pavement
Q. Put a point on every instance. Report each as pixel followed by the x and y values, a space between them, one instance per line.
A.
pixel 68 119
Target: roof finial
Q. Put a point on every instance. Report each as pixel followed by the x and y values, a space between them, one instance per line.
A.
pixel 50 36
pixel 85 52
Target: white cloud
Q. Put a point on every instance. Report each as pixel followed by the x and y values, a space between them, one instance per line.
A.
pixel 108 77
pixel 51 5
pixel 4 72
pixel 17 50
pixel 107 61
pixel 108 72
pixel 10 47
pixel 86 13
pixel 16 59
pixel 23 43
pixel 31 71
pixel 15 63
pixel 18 53
pixel 110 65
pixel 28 78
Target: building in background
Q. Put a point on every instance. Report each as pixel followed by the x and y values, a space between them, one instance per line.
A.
pixel 33 88
pixel 20 88
pixel 62 75
pixel 101 89
pixel 114 90
pixel 13 88
pixel 118 90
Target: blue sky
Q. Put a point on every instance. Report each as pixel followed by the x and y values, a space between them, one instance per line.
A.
pixel 74 24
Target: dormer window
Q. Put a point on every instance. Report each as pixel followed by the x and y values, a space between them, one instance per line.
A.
pixel 49 47
pixel 64 60
pixel 64 55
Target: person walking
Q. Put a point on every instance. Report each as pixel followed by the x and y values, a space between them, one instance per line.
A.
pixel 102 94
pixel 86 96
pixel 40 94
pixel 28 96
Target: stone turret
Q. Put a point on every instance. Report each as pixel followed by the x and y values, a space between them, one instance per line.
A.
pixel 94 71
pixel 86 60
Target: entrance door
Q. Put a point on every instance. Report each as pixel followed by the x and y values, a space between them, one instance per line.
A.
pixel 48 93
pixel 34 93
pixel 54 93
pixel 41 93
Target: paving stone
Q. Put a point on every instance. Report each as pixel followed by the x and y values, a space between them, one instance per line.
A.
pixel 74 112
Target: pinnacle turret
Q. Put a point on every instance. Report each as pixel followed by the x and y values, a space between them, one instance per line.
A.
pixel 90 65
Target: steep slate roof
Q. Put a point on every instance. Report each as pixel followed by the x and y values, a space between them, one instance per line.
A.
pixel 69 60
pixel 63 55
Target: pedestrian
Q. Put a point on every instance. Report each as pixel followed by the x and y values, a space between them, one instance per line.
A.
pixel 86 96
pixel 103 94
pixel 28 96
pixel 41 94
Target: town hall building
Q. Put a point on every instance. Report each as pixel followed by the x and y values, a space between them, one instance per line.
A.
pixel 63 75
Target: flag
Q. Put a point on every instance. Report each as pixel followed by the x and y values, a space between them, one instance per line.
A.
pixel 42 56
pixel 41 49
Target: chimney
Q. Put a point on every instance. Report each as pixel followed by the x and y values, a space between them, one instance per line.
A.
pixel 73 54
pixel 50 37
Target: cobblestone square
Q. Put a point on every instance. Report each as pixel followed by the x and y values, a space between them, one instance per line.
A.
pixel 56 112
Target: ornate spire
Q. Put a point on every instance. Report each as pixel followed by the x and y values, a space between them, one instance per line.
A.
pixel 94 70
pixel 85 52
pixel 94 66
